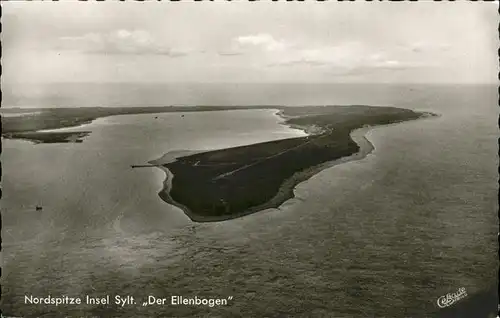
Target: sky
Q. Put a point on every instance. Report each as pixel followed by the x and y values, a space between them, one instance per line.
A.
pixel 241 41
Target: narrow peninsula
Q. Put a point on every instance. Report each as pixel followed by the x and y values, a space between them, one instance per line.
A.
pixel 229 183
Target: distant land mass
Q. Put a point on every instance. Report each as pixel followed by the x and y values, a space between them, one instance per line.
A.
pixel 229 183
pixel 33 120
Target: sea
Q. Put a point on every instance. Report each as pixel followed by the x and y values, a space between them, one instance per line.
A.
pixel 384 236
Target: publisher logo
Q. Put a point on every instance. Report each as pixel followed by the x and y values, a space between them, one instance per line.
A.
pixel 451 298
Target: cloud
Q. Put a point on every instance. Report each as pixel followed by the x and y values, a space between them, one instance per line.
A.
pixel 344 58
pixel 230 53
pixel 343 55
pixel 423 47
pixel 262 40
pixel 254 44
pixel 391 65
pixel 134 42
pixel 350 58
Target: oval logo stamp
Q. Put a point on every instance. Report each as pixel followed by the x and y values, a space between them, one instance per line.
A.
pixel 451 298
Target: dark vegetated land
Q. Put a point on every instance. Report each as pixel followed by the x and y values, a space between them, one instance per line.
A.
pixel 49 137
pixel 218 188
pixel 237 181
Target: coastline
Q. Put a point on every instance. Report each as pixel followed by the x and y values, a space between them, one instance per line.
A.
pixel 310 130
pixel 164 193
pixel 285 193
pixel 286 190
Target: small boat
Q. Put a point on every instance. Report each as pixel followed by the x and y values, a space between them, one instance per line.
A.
pixel 38 208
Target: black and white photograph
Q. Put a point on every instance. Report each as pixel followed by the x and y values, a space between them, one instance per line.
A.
pixel 225 159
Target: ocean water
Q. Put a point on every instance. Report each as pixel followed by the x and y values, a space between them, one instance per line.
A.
pixel 384 236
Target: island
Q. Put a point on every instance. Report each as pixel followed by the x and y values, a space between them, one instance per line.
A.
pixel 224 184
